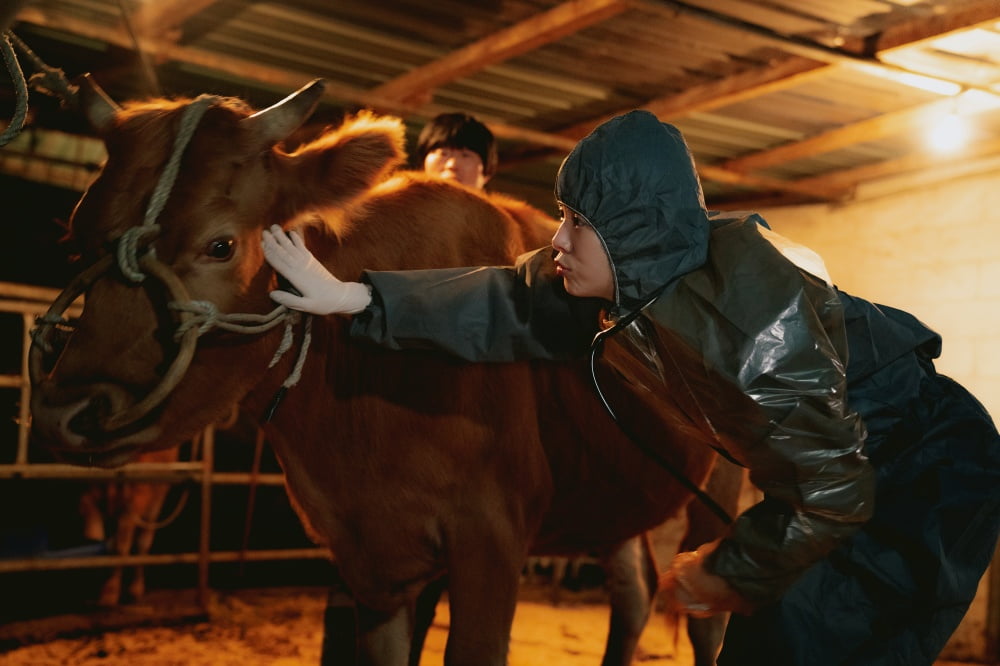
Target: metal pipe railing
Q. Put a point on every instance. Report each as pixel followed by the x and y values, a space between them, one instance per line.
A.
pixel 31 301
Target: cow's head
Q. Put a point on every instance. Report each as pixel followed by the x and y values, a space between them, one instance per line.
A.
pixel 172 223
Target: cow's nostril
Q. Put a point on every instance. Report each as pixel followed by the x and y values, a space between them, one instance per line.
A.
pixel 88 420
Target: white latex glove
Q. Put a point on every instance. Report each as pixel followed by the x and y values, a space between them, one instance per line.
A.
pixel 322 293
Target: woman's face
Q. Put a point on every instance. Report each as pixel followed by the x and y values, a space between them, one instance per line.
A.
pixel 458 164
pixel 581 260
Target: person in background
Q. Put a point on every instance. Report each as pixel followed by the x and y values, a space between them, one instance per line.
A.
pixel 457 147
pixel 880 478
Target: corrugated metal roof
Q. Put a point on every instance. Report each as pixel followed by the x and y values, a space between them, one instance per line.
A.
pixel 780 100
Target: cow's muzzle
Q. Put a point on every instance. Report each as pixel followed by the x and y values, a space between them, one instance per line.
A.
pixel 97 413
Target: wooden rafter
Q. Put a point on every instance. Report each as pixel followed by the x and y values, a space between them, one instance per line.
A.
pixel 818 190
pixel 8 11
pixel 880 126
pixel 730 90
pixel 541 29
pixel 848 178
pixel 398 95
pixel 162 18
pixel 165 50
pixel 793 71
pixel 897 37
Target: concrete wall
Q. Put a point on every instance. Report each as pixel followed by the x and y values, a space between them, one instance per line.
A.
pixel 934 252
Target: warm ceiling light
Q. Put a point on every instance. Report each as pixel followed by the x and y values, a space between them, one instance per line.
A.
pixel 949 134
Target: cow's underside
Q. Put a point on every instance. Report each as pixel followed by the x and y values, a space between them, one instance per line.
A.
pixel 467 477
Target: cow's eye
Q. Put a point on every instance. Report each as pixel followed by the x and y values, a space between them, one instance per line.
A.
pixel 220 249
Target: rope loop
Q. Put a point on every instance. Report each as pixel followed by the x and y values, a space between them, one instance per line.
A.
pixel 134 251
pixel 189 121
pixel 49 80
pixel 43 325
pixel 128 250
pixel 20 90
pixel 205 316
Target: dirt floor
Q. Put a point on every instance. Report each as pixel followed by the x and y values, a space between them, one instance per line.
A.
pixel 282 627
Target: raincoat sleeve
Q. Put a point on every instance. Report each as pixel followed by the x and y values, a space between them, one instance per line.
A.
pixel 808 460
pixel 479 314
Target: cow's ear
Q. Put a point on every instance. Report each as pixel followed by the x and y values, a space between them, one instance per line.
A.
pixel 277 122
pixel 344 163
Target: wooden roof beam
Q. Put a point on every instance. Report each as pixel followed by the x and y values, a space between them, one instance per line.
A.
pixel 530 34
pixel 897 37
pixel 9 11
pixel 732 89
pixel 790 72
pixel 915 162
pixel 163 19
pixel 262 74
pixel 238 68
pixel 820 191
pixel 886 124
pixel 914 33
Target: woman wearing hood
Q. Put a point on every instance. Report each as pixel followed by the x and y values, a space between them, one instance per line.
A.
pixel 867 547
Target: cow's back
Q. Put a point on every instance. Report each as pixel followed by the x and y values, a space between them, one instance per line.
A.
pixel 558 445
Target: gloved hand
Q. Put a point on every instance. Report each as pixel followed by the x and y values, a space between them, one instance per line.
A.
pixel 689 588
pixel 322 293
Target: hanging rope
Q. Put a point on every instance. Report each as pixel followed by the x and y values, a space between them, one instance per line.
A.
pixel 206 315
pixel 48 80
pixel 128 245
pixel 135 251
pixel 20 92
pixel 189 121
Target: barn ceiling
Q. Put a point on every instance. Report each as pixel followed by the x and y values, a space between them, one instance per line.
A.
pixel 782 101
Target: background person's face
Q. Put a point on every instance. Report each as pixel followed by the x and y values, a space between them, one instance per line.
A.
pixel 581 260
pixel 459 164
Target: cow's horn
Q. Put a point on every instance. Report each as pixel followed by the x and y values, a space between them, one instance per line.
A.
pixel 277 122
pixel 99 109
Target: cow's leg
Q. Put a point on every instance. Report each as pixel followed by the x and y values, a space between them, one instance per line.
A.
pixel 94 530
pixel 93 517
pixel 423 617
pixel 121 545
pixel 144 540
pixel 340 623
pixel 384 639
pixel 560 566
pixel 724 486
pixel 340 626
pixel 484 573
pixel 111 589
pixel 632 577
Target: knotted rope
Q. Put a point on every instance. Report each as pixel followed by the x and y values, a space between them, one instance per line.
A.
pixel 206 314
pixel 128 243
pixel 134 253
pixel 46 79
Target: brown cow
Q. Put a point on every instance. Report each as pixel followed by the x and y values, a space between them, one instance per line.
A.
pixel 130 509
pixel 405 464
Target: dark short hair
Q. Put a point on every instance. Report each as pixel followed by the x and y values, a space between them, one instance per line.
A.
pixel 458 130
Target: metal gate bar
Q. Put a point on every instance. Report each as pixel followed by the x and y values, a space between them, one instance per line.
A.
pixel 29 302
